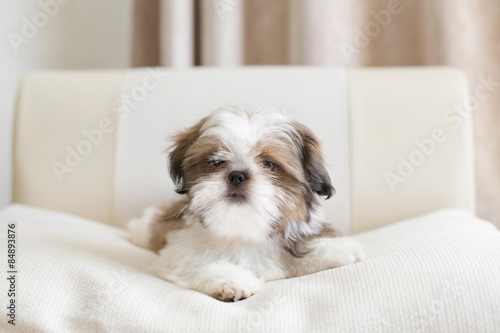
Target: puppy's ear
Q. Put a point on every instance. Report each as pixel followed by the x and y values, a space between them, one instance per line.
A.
pixel 312 160
pixel 178 153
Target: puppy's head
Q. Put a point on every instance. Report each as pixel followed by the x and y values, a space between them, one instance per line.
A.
pixel 245 173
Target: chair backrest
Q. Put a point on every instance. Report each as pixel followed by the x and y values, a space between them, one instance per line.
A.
pixel 92 143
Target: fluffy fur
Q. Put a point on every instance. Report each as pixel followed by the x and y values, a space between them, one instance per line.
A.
pixel 251 183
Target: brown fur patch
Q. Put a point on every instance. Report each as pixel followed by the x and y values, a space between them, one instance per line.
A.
pixel 189 159
pixel 285 156
pixel 289 177
pixel 183 141
pixel 313 162
pixel 169 219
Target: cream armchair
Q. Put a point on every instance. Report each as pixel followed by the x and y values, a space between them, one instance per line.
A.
pixel 89 155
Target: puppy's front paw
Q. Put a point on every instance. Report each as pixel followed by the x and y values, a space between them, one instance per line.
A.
pixel 228 282
pixel 342 251
pixel 232 291
pixel 327 253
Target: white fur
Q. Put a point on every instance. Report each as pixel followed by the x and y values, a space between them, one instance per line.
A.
pixel 234 270
pixel 228 249
pixel 330 253
pixel 229 220
pixel 194 257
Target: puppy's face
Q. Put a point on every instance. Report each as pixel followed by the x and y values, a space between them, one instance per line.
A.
pixel 246 174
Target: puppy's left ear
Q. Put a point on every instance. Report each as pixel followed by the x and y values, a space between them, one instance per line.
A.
pixel 314 165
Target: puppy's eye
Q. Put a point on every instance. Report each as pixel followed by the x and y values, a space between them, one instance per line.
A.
pixel 217 163
pixel 269 165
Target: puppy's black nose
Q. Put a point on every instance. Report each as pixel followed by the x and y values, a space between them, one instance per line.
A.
pixel 235 178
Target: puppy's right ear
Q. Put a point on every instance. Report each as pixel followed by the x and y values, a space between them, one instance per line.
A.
pixel 178 153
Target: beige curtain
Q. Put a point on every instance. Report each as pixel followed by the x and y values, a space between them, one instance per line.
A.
pixel 461 33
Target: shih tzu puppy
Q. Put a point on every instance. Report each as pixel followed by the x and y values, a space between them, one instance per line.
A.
pixel 251 183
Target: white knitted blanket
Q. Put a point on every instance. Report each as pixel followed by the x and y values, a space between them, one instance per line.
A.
pixel 435 273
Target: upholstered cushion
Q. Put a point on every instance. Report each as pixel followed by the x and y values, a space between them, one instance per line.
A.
pixel 437 273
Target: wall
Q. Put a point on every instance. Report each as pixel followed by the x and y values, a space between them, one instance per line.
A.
pixel 55 34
